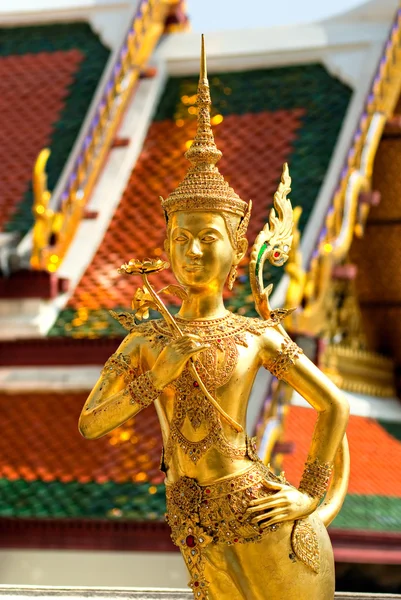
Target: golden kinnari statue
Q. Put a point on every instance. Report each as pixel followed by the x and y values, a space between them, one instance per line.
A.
pixel 244 532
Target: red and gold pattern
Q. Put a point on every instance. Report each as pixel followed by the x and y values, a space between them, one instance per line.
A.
pixel 305 544
pixel 199 515
pixel 215 365
pixel 142 390
pixel 315 478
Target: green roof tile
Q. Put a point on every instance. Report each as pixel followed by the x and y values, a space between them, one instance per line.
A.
pixel 38 499
pixel 144 502
pixel 373 513
pixel 392 428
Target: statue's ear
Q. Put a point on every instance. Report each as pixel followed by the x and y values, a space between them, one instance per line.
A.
pixel 166 246
pixel 242 247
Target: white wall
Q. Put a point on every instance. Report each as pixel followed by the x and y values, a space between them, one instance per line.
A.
pixel 13 6
pixel 84 568
pixel 109 18
pixel 209 15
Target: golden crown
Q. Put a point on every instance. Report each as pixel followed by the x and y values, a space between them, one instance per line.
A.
pixel 203 187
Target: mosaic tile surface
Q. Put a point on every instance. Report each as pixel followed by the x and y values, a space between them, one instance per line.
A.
pixel 48 75
pixel 48 470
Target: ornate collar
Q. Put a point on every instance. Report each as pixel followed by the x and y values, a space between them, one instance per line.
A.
pixel 211 330
pixel 214 331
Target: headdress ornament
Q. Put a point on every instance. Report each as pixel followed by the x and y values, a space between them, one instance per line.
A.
pixel 203 187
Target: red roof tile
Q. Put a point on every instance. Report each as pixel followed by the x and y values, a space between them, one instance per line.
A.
pixel 32 92
pixel 375 454
pixel 40 441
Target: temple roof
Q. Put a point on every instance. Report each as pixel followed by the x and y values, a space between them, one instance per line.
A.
pixel 48 75
pixel 373 501
pixel 48 470
pixel 261 119
pixel 376 254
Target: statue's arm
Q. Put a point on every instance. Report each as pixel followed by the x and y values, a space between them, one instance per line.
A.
pixel 122 390
pixel 318 390
pixel 284 359
pixel 128 384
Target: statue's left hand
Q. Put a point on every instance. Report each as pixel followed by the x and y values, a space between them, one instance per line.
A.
pixel 286 504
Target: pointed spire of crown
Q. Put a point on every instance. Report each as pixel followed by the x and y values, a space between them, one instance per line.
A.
pixel 203 187
pixel 203 148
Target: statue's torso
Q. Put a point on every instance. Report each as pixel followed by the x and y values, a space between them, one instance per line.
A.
pixel 197 441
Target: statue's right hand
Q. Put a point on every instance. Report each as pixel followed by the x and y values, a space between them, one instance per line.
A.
pixel 173 358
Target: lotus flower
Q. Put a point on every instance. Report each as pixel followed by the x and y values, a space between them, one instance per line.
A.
pixel 139 267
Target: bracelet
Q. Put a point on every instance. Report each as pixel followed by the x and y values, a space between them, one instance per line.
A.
pixel 142 390
pixel 315 478
pixel 284 359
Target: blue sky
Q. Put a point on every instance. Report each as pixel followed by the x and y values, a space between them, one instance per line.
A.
pixel 220 15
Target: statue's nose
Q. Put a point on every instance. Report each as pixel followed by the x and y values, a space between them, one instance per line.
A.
pixel 194 249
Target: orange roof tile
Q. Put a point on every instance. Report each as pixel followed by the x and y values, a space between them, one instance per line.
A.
pixel 40 441
pixel 32 91
pixel 48 469
pixel 375 454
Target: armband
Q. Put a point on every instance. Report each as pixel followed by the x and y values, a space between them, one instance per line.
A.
pixel 119 364
pixel 142 390
pixel 284 358
pixel 315 478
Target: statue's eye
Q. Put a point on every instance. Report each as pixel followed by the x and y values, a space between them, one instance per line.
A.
pixel 208 239
pixel 180 238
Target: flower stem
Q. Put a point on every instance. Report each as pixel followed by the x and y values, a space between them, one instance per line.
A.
pixel 171 322
pixel 175 329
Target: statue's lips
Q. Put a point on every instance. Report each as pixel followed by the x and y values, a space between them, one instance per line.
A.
pixel 193 268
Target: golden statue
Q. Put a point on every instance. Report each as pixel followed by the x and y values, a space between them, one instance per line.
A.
pixel 244 532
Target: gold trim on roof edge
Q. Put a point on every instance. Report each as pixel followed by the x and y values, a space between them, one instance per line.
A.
pixel 346 216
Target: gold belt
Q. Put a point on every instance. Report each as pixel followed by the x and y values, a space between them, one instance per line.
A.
pixel 219 508
pixel 201 514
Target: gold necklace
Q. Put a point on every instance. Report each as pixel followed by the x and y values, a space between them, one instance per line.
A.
pixel 215 365
pixel 190 402
pixel 214 331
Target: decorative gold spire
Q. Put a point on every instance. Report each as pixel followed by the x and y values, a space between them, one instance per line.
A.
pixel 203 149
pixel 203 187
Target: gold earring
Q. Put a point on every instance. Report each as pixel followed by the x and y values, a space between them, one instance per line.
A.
pixel 232 276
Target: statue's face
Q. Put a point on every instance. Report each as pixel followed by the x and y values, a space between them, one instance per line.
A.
pixel 201 253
